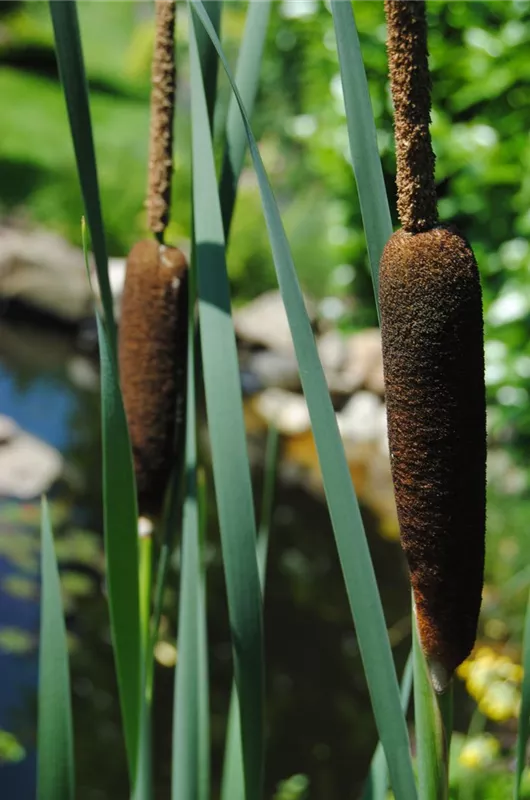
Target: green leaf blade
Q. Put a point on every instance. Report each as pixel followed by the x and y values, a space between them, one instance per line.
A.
pixel 232 785
pixel 233 780
pixel 362 135
pixel 524 714
pixel 185 780
pixel 431 755
pixel 119 493
pixel 121 547
pixel 377 782
pixel 190 762
pixel 207 54
pixel 55 768
pixel 70 61
pixel 228 439
pixel 202 653
pixel 247 80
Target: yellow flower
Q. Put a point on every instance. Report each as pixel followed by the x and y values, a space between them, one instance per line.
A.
pixel 494 681
pixel 479 752
pixel 166 653
pixel 508 670
pixel 500 702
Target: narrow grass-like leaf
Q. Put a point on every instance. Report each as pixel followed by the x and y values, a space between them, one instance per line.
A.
pixel 247 79
pixel 363 137
pixel 233 780
pixel 445 706
pixel 121 546
pixel 352 546
pixel 524 714
pixel 185 765
pixel 267 502
pixel 377 782
pixel 171 526
pixel 185 779
pixel 69 55
pixel 227 436
pixel 202 650
pixel 143 784
pixel 207 55
pixel 55 750
pixel 120 515
pixel 431 754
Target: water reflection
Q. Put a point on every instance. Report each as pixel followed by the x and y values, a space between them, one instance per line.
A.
pixel 319 719
pixel 19 623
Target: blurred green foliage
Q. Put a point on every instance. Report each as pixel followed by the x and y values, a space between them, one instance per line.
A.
pixel 479 770
pixel 11 751
pixel 294 788
pixel 481 117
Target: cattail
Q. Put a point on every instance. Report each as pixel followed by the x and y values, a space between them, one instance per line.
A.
pixel 433 356
pixel 154 315
pixel 152 358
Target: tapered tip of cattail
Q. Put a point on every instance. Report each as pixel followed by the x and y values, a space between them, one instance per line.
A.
pixel 411 95
pixel 152 363
pixel 432 336
pixel 163 84
pixel 440 677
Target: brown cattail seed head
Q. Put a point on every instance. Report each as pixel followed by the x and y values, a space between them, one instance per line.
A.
pixel 433 356
pixel 163 80
pixel 411 94
pixel 152 362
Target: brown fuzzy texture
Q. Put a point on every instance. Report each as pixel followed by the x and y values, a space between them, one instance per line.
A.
pixel 163 80
pixel 432 334
pixel 152 362
pixel 411 93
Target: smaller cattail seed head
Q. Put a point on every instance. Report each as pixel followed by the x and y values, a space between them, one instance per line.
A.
pixel 152 363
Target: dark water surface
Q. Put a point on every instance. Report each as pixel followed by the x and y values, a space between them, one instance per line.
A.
pixel 319 718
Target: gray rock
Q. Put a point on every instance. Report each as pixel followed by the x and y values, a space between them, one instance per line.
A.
pixel 363 426
pixel 332 351
pixel 264 322
pixel 84 374
pixel 117 267
pixel 28 466
pixel 8 429
pixel 352 363
pixel 363 419
pixel 272 368
pixel 287 411
pixel 41 270
pixel 363 366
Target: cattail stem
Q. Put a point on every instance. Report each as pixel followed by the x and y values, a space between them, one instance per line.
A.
pixel 163 81
pixel 411 94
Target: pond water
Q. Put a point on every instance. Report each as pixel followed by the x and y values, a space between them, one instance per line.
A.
pixel 319 718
